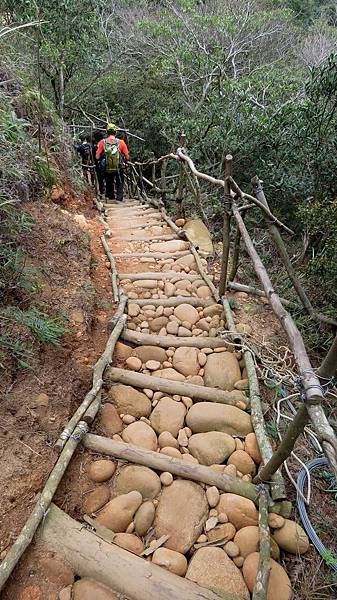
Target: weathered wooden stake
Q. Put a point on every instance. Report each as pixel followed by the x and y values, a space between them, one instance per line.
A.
pixel 260 591
pixel 179 195
pixel 236 255
pixel 226 226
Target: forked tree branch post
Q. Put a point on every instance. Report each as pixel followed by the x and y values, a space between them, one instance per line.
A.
pixel 226 226
pixel 295 429
pixel 328 367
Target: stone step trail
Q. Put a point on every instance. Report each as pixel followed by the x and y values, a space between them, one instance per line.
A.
pixel 179 342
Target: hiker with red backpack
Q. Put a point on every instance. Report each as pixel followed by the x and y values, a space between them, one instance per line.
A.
pixel 113 154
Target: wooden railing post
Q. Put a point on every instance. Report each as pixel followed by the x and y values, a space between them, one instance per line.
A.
pixel 294 430
pixel 179 197
pixel 226 226
pixel 153 170
pixel 163 180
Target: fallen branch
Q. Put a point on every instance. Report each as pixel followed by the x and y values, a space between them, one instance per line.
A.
pixel 203 273
pixel 190 390
pixel 239 287
pixel 121 571
pixel 42 506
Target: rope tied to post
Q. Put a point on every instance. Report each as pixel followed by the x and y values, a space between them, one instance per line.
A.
pixel 67 435
pixel 299 384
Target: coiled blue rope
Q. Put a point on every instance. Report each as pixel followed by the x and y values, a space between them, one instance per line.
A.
pixel 328 555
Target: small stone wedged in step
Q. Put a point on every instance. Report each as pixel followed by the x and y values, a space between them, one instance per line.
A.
pixel 89 589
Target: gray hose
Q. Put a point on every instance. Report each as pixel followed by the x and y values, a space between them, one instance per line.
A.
pixel 301 481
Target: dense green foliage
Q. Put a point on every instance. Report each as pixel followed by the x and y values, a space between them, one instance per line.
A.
pixel 34 153
pixel 255 79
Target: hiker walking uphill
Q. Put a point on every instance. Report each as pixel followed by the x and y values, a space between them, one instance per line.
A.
pixel 113 155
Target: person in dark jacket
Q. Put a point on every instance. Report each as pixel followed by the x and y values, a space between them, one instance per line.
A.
pixel 99 174
pixel 84 150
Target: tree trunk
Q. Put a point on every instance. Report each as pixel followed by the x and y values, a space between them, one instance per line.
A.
pixel 61 93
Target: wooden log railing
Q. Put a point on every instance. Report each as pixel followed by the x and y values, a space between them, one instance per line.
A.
pixel 312 391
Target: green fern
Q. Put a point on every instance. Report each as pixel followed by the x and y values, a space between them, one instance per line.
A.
pixel 18 350
pixel 47 330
